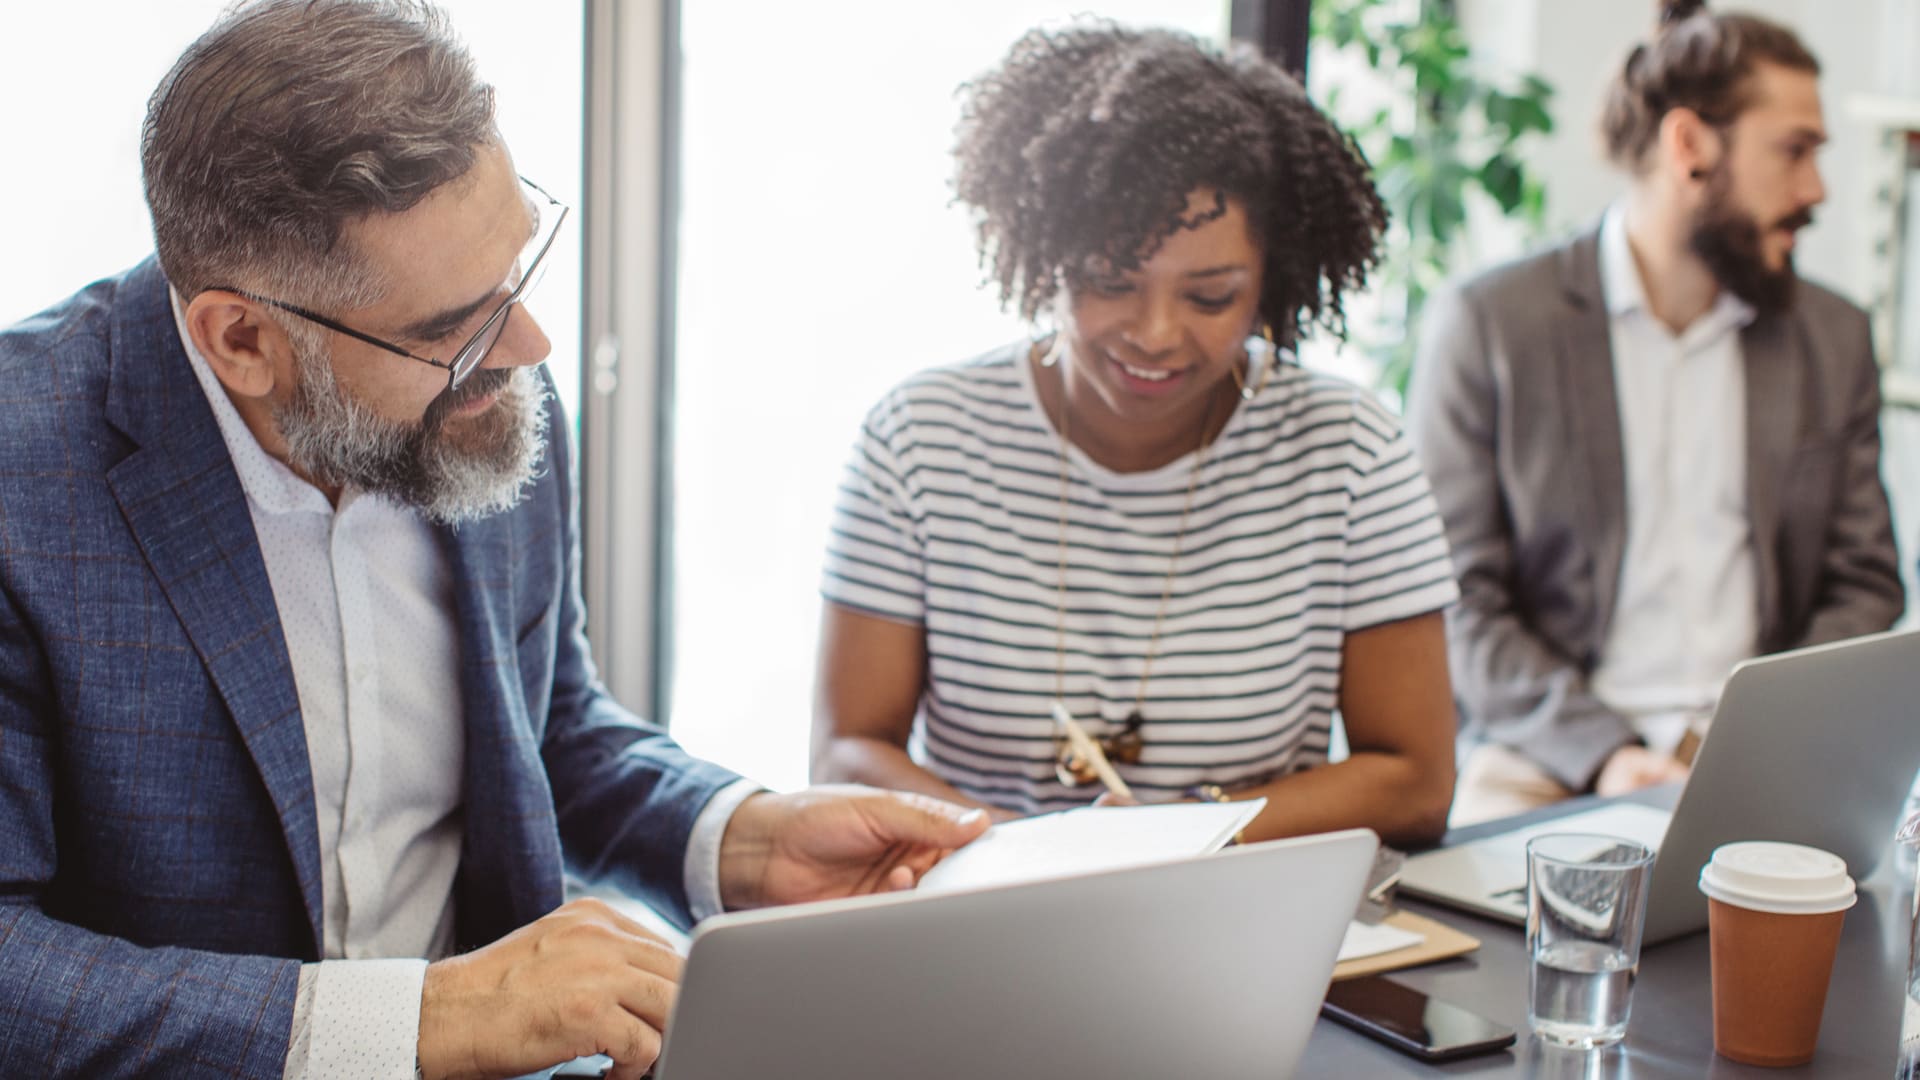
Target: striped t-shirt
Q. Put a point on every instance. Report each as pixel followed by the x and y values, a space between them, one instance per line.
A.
pixel 1310 519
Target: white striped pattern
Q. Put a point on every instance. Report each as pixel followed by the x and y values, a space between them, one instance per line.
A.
pixel 1310 519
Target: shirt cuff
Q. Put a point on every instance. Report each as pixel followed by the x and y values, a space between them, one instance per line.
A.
pixel 296 1064
pixel 701 872
pixel 360 1018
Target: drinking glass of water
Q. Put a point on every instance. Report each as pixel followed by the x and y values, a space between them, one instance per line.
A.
pixel 1586 900
pixel 1907 846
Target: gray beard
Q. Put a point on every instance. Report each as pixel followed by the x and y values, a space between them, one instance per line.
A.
pixel 473 468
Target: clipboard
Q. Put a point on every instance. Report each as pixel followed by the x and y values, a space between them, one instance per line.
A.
pixel 1439 942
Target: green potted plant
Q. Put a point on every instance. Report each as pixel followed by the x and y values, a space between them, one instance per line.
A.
pixel 1448 135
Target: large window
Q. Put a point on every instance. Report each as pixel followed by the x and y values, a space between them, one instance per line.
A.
pixel 820 263
pixel 72 134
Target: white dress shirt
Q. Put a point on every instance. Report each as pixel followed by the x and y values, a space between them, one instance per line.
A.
pixel 366 601
pixel 1687 608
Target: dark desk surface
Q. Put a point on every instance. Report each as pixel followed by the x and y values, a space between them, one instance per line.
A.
pixel 1670 1031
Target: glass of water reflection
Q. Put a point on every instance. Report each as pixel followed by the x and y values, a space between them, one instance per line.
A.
pixel 1586 900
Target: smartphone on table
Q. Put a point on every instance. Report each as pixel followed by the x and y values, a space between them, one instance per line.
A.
pixel 1412 1022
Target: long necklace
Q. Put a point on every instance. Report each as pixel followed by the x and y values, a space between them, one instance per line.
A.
pixel 1134 720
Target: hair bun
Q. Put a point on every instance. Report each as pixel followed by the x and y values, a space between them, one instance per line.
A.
pixel 1672 11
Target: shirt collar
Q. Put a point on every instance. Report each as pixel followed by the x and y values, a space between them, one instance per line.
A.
pixel 270 485
pixel 1620 281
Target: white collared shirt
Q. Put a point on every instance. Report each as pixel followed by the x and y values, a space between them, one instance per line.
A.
pixel 365 597
pixel 1687 609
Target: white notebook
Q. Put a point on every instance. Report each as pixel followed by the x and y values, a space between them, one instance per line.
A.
pixel 1095 838
pixel 1090 839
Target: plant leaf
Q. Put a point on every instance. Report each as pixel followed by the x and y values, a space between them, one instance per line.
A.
pixel 1505 180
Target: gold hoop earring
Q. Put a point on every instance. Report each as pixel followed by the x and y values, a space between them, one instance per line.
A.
pixel 1052 355
pixel 1266 361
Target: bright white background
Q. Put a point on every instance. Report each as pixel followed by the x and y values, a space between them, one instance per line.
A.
pixel 820 263
pixel 74 80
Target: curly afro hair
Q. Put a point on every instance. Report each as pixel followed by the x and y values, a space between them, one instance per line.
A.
pixel 1083 146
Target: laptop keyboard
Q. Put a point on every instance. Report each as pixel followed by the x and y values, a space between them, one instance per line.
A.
pixel 1489 875
pixel 1587 899
pixel 1585 895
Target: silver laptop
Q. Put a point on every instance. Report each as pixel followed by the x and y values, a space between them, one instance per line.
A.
pixel 1817 746
pixel 1212 966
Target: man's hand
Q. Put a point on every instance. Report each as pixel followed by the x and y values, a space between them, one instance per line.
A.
pixel 1633 767
pixel 828 842
pixel 582 980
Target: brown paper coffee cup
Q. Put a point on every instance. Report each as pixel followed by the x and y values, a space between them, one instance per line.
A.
pixel 1774 911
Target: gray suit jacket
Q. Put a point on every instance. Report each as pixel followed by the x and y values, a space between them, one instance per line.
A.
pixel 1513 413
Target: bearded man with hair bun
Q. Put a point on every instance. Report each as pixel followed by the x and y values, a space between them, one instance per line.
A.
pixel 1656 447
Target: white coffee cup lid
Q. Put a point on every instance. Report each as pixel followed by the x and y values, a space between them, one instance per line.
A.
pixel 1784 879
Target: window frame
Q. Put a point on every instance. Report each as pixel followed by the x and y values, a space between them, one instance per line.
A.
pixel 630 198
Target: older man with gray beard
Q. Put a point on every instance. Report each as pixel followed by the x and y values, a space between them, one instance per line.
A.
pixel 298 723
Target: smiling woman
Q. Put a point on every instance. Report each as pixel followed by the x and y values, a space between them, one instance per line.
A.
pixel 1146 516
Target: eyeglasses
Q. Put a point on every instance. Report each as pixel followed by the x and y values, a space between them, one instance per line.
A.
pixel 549 213
pixel 1122 747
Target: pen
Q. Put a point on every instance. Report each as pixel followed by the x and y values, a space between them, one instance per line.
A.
pixel 1083 744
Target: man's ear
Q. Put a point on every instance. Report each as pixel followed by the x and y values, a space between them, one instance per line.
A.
pixel 246 349
pixel 1690 148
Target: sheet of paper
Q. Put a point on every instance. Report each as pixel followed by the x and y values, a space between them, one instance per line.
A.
pixel 1363 940
pixel 1089 839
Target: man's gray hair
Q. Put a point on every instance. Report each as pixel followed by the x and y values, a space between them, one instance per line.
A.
pixel 290 119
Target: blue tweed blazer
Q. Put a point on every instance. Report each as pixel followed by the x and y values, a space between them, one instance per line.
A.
pixel 159 863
